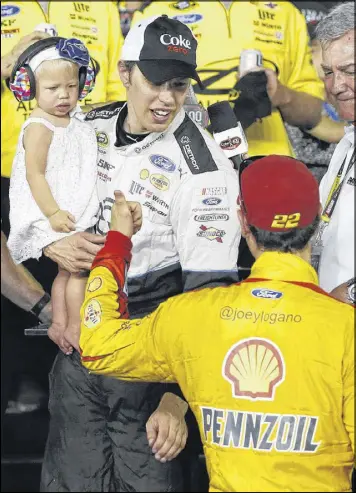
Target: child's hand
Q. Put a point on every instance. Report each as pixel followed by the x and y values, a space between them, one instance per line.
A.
pixel 56 334
pixel 71 336
pixel 62 221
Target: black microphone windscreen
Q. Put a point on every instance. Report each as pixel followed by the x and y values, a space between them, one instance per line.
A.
pixel 222 116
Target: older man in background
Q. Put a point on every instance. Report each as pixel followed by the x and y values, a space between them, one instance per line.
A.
pixel 315 147
pixel 334 245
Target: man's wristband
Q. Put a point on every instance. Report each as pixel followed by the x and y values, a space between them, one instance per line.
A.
pixel 38 307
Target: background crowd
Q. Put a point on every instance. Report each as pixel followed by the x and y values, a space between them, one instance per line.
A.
pixel 287 112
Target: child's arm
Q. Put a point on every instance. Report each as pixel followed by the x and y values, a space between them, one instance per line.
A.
pixel 37 139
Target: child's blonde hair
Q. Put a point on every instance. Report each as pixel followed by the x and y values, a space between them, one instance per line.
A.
pixel 58 62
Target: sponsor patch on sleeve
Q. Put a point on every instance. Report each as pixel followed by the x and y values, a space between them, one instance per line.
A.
pixel 92 314
pixel 95 284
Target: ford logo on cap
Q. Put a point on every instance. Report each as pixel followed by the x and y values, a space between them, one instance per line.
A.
pixel 162 162
pixel 211 201
pixel 266 293
pixel 7 10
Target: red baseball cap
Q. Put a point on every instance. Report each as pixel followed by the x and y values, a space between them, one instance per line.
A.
pixel 279 193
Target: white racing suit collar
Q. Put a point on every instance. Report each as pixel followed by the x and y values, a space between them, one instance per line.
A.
pixel 137 147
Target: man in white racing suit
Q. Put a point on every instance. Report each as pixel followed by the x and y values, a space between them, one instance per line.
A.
pixel 153 152
pixel 187 201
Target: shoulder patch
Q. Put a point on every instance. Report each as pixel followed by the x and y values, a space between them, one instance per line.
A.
pixel 194 149
pixel 105 112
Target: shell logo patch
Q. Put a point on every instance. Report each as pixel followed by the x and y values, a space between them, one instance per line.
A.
pixel 159 181
pixel 92 314
pixel 95 284
pixel 144 174
pixel 254 367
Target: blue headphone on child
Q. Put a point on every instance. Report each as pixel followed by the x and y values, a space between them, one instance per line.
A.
pixel 22 80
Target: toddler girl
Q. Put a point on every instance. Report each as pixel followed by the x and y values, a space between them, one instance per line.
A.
pixel 53 180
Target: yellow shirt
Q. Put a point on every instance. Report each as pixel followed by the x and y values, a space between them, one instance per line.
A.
pixel 95 23
pixel 267 367
pixel 277 29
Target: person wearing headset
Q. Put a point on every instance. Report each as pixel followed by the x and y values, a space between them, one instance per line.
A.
pixel 17 283
pixel 54 170
pixel 97 25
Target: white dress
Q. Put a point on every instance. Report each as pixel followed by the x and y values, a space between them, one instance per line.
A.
pixel 71 173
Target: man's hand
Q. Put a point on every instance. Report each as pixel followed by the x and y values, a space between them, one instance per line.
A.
pixel 166 428
pixel 126 217
pixel 297 107
pixel 277 92
pixel 8 61
pixel 76 252
pixel 56 334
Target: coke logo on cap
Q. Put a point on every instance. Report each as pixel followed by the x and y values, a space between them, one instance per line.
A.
pixel 167 39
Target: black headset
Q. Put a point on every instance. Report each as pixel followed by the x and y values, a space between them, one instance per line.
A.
pixel 31 52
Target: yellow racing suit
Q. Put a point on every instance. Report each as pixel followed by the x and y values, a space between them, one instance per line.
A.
pixel 277 29
pixel 95 23
pixel 266 365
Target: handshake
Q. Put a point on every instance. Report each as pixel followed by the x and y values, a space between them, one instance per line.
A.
pixel 126 217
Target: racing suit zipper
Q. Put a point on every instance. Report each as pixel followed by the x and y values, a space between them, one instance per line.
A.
pixel 227 15
pixel 46 16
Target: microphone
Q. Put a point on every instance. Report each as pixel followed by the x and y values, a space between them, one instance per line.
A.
pixel 195 110
pixel 228 132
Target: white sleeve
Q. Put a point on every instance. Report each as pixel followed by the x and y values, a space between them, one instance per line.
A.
pixel 206 228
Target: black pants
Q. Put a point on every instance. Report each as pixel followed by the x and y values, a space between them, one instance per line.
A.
pixel 97 437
